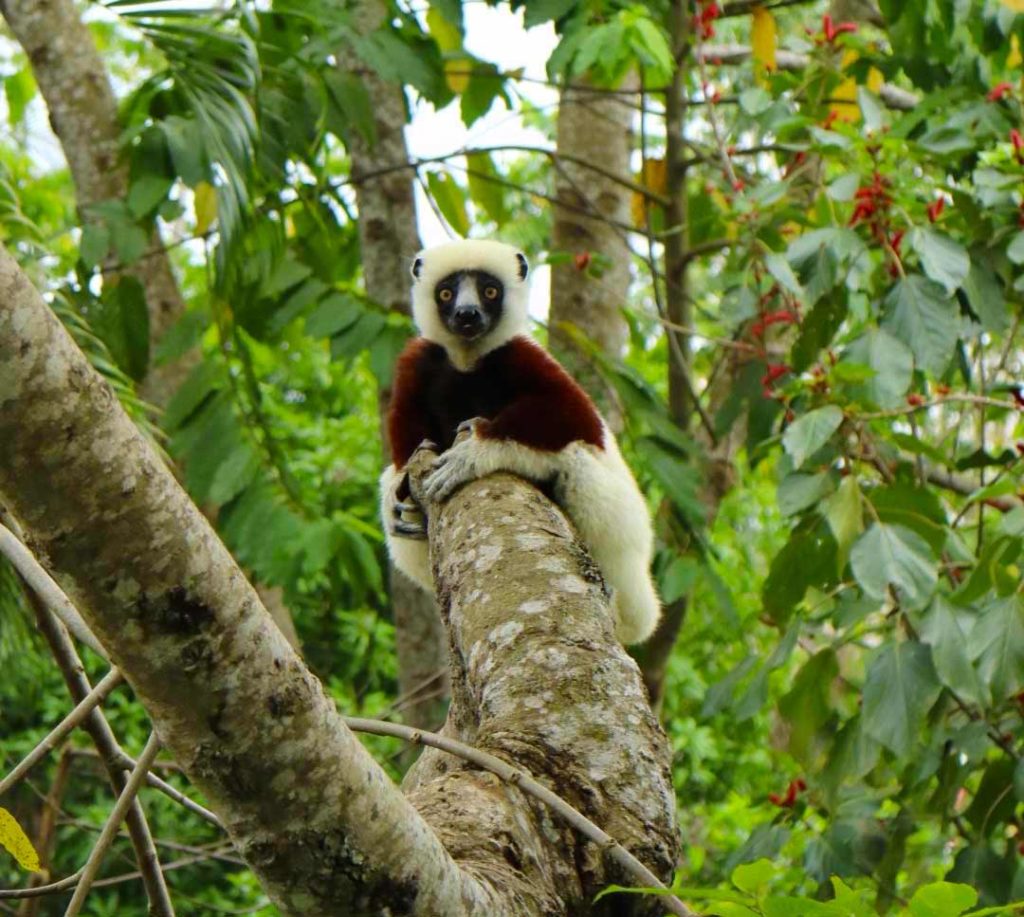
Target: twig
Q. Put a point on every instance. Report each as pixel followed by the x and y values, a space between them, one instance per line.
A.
pixel 937 402
pixel 128 762
pixel 106 744
pixel 32 572
pixel 113 825
pixel 518 777
pixel 110 681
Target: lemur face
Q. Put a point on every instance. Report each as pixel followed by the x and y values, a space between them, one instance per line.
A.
pixel 469 302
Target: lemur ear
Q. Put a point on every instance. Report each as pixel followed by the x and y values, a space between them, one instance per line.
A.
pixel 524 267
pixel 416 268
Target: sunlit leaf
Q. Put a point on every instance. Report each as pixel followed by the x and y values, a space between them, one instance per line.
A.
pixel 14 840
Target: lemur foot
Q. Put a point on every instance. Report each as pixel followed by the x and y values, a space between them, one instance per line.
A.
pixel 407 519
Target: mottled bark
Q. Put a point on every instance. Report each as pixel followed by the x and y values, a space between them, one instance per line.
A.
pixel 593 127
pixel 541 680
pixel 389 240
pixel 83 113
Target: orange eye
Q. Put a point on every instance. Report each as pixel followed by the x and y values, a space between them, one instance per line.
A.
pixel 445 295
pixel 490 293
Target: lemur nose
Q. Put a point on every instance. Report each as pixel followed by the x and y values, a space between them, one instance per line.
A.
pixel 468 318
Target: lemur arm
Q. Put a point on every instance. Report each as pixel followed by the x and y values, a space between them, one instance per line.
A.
pixel 529 435
pixel 408 421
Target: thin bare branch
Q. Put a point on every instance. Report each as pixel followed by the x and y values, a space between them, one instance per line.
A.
pixel 113 825
pixel 75 718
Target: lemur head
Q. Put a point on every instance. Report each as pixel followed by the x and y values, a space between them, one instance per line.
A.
pixel 470 297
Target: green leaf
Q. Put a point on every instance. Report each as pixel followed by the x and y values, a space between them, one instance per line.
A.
pixel 349 94
pixel 945 628
pixel 484 187
pixel 818 328
pixel 129 240
pixel 808 707
pixel 942 899
pixel 899 688
pixel 843 512
pixel 541 11
pixel 485 85
pixel 892 363
pixel 450 199
pixel 985 295
pixel 20 89
pixel 797 492
pixel 95 244
pixel 809 433
pixel 995 801
pixel 779 268
pixel 997 644
pixel 147 193
pixel 892 555
pixel 123 324
pixel 920 313
pixel 844 187
pixel 185 143
pixel 335 313
pixel 1015 250
pixel 752 877
pixel 807 559
pixel 943 259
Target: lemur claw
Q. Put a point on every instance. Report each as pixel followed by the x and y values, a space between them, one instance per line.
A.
pixel 427 444
pixel 449 472
pixel 414 530
pixel 469 425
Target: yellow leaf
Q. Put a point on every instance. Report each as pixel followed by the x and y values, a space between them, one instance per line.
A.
pixel 1014 59
pixel 14 841
pixel 764 37
pixel 457 72
pixel 653 175
pixel 875 80
pixel 1016 5
pixel 446 35
pixel 205 204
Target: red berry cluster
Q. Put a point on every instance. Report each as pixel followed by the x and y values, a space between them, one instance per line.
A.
pixel 704 22
pixel 788 315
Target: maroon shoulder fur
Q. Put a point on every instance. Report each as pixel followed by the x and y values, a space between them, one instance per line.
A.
pixel 518 388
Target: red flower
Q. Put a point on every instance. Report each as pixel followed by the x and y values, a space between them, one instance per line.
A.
pixel 775 370
pixel 832 31
pixel 935 208
pixel 787 801
pixel 998 91
pixel 581 261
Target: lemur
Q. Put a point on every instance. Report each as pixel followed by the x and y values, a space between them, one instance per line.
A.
pixel 475 368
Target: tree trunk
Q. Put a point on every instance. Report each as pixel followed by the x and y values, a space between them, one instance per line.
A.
pixel 389 240
pixel 83 113
pixel 539 677
pixel 593 127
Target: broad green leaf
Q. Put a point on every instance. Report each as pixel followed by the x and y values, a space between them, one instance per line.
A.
pixel 798 491
pixel 844 187
pixel 95 243
pixel 122 321
pixel 20 89
pixel 942 899
pixel 349 94
pixel 997 644
pixel 129 240
pixel 994 801
pixel 892 363
pixel 809 433
pixel 920 313
pixel 985 295
pixel 484 186
pixel 1015 251
pixel 146 194
pixel 845 518
pixel 899 688
pixel 335 313
pixel 943 259
pixel 853 754
pixel 808 559
pixel 818 328
pixel 807 707
pixel 752 877
pixel 945 628
pixel 779 268
pixel 893 555
pixel 540 11
pixel 450 199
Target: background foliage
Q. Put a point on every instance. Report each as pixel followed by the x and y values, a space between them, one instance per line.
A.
pixel 846 696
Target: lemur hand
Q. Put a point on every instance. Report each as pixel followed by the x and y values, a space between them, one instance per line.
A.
pixel 457 466
pixel 407 518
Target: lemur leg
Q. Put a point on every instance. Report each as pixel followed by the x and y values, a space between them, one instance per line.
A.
pixel 404 530
pixel 601 498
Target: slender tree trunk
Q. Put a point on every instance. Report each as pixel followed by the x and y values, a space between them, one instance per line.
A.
pixel 539 677
pixel 83 113
pixel 389 240
pixel 590 290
